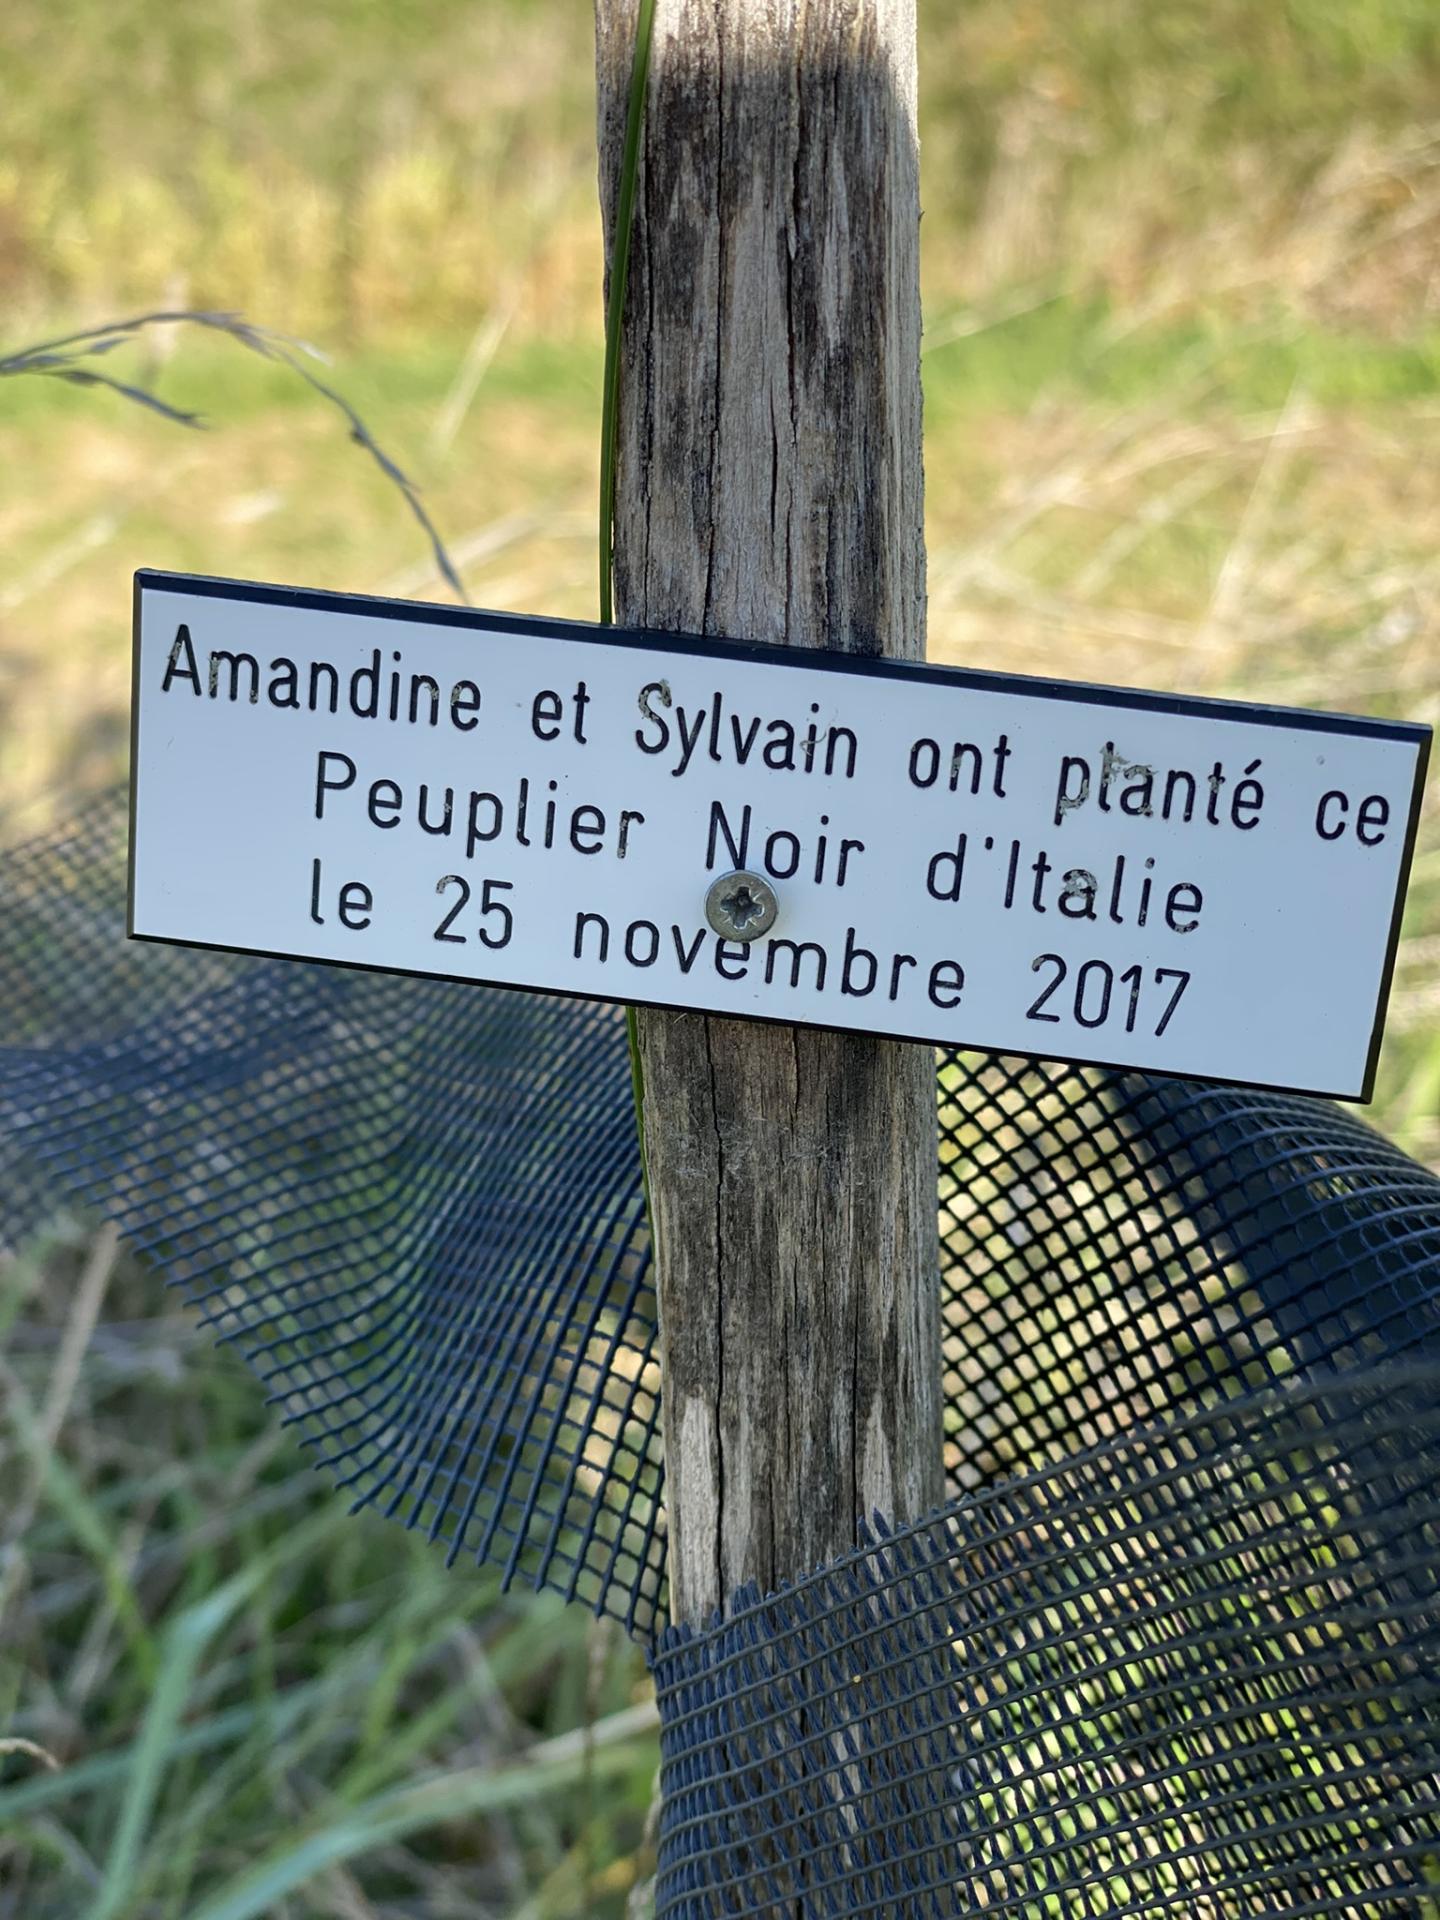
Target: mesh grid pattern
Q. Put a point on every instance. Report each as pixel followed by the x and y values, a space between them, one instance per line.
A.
pixel 1195 1672
pixel 1175 1647
pixel 354 1179
pixel 1116 1245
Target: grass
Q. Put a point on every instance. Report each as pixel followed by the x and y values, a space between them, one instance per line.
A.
pixel 1173 503
pixel 1182 378
pixel 401 169
pixel 242 1688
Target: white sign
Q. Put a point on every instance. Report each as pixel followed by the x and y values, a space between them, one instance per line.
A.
pixel 1188 886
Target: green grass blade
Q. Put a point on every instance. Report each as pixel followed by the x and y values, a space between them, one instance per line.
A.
pixel 63 1491
pixel 103 1769
pixel 624 1742
pixel 183 1648
pixel 615 306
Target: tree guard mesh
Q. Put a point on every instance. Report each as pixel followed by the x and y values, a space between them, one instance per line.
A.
pixel 1194 1672
pixel 1171 1650
pixel 414 1208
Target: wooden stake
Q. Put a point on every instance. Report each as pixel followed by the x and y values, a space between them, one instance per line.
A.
pixel 769 487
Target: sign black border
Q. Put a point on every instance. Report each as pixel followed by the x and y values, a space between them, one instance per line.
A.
pixel 656 640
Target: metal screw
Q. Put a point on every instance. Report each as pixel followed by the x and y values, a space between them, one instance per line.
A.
pixel 741 906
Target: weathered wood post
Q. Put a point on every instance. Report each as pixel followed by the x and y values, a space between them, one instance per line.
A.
pixel 769 487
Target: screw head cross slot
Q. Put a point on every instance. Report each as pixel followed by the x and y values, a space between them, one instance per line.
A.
pixel 741 906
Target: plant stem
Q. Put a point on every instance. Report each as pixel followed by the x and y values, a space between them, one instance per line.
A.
pixel 609 425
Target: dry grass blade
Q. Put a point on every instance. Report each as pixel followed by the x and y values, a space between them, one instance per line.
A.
pixel 64 359
pixel 1226 598
pixel 479 356
pixel 31 1749
pixel 79 1325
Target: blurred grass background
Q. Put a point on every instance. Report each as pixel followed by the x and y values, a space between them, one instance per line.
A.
pixel 1182 366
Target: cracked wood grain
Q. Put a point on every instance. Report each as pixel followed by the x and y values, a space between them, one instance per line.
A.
pixel 769 487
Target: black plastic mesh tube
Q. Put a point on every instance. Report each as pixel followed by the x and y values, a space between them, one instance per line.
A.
pixel 1172 1649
